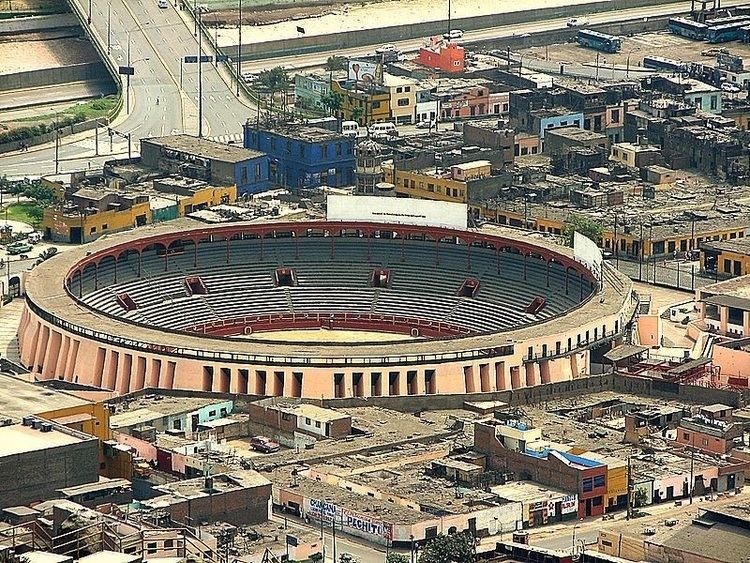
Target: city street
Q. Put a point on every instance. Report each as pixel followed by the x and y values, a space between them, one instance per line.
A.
pixel 159 39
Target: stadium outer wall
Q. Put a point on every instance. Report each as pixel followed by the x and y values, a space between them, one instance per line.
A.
pixel 60 339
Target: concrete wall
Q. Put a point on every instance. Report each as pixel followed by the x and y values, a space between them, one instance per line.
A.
pixel 37 23
pixel 348 39
pixel 36 475
pixel 49 137
pixel 51 76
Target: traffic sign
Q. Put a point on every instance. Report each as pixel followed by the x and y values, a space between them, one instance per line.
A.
pixel 128 70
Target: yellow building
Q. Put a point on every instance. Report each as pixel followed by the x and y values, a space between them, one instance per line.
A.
pixel 403 98
pixel 372 105
pixel 444 185
pixel 728 257
pixel 91 212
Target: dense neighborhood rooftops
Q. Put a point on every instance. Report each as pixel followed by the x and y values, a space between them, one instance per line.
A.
pixel 204 148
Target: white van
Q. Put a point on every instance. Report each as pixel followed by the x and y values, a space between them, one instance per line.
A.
pixel 383 130
pixel 350 128
pixel 162 4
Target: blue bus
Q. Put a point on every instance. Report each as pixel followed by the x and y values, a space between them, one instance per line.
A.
pixel 599 41
pixel 687 28
pixel 661 63
pixel 726 32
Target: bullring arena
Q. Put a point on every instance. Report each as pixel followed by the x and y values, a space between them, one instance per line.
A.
pixel 371 309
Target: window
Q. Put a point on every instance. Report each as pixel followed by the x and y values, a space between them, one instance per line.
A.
pixel 212 413
pixel 151 547
pixel 317 424
pixel 399 90
pixel 257 171
pixel 403 102
pixel 615 116
pixel 598 481
pixel 375 105
pixel 407 88
pixel 105 226
pixel 177 424
pixel 587 485
pixel 308 421
pixel 338 149
pixel 324 148
pixel 92 231
pixel 597 501
pixel 714 102
pixel 243 175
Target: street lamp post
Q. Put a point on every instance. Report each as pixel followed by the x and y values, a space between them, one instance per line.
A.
pixel 200 80
pixel 109 29
pixel 239 48
pixel 89 12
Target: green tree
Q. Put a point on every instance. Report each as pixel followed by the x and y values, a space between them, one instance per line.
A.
pixel 35 213
pixel 455 548
pixel 274 80
pixel 583 225
pixel 336 62
pixel 332 102
pixel 396 558
pixel 357 114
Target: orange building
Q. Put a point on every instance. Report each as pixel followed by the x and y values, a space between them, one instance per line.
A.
pixel 447 57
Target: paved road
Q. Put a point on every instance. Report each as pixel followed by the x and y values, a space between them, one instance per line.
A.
pixel 159 39
pixel 412 45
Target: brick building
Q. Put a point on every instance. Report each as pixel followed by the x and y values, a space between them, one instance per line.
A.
pixel 300 417
pixel 239 498
pixel 574 473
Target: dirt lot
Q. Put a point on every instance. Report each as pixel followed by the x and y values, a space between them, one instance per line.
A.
pixel 22 56
pixel 660 43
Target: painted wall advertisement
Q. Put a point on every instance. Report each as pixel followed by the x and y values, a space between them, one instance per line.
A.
pixel 569 504
pixel 348 520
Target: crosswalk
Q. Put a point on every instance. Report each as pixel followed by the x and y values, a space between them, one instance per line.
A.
pixel 234 139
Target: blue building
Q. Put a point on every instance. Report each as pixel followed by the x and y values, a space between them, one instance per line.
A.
pixel 210 161
pixel 303 156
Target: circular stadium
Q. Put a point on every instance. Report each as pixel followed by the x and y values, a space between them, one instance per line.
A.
pixel 318 309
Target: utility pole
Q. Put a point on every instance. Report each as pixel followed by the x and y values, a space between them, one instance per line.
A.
pixel 200 80
pixel 640 254
pixel 449 19
pixel 333 525
pixel 89 12
pixel 109 29
pixel 629 512
pixel 127 86
pixel 57 147
pixel 96 140
pixel 692 477
pixel 239 49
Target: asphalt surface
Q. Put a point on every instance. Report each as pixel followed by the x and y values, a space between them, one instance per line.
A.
pixel 159 39
pixel 310 60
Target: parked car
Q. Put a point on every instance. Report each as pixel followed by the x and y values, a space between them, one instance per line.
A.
pixel 18 248
pixel 426 124
pixel 731 88
pixel 577 22
pixel 388 48
pixel 49 253
pixel 163 4
pixel 264 445
pixel 453 34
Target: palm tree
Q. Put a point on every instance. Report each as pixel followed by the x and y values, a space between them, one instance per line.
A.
pixel 274 80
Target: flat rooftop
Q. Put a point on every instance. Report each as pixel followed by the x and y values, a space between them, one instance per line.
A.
pixel 306 133
pixel 576 133
pixel 144 409
pixel 203 148
pixel 19 398
pixel 307 410
pixel 738 245
pixel 196 488
pixel 19 439
pixel 527 491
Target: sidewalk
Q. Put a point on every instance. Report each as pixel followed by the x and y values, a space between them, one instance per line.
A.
pixel 71 92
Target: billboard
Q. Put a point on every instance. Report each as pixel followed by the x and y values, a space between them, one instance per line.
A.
pixel 420 212
pixel 368 72
pixel 588 253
